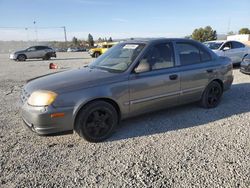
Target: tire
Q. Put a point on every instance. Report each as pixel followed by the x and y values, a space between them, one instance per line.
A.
pixel 96 121
pixel 46 57
pixel 21 57
pixel 96 54
pixel 212 95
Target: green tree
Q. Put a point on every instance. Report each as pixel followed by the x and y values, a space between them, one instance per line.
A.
pixel 75 41
pixel 99 39
pixel 231 33
pixel 204 34
pixel 90 40
pixel 110 39
pixel 244 31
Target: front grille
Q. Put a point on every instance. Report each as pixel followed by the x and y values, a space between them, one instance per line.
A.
pixel 24 96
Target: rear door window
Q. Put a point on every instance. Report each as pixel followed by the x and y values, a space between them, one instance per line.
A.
pixel 191 54
pixel 238 45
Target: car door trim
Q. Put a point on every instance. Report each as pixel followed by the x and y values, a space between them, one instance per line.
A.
pixel 164 95
pixel 154 97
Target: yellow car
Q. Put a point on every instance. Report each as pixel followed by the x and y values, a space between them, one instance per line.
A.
pixel 101 49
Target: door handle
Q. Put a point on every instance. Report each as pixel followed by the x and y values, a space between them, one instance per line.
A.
pixel 210 70
pixel 173 77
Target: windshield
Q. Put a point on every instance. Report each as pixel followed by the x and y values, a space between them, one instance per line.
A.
pixel 118 58
pixel 213 45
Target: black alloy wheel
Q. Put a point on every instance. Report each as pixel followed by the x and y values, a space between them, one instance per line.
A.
pixel 96 121
pixel 212 95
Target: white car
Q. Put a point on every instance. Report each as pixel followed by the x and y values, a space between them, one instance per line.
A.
pixel 235 50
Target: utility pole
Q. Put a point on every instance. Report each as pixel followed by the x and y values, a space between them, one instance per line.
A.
pixel 35 30
pixel 65 33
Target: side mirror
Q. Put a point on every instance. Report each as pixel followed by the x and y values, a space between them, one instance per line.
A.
pixel 142 67
pixel 226 48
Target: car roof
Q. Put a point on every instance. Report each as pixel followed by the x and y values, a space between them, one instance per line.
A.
pixel 155 40
pixel 39 46
pixel 223 41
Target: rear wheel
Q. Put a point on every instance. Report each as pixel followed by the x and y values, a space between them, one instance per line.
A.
pixel 46 57
pixel 96 121
pixel 212 95
pixel 21 57
pixel 97 54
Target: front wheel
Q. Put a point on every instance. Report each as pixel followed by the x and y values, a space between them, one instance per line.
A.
pixel 21 58
pixel 96 121
pixel 212 95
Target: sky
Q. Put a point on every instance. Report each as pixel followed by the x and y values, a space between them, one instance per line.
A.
pixel 118 18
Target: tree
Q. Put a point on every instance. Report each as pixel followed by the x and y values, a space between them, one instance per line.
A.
pixel 204 34
pixel 110 39
pixel 75 41
pixel 99 39
pixel 90 40
pixel 244 31
pixel 231 33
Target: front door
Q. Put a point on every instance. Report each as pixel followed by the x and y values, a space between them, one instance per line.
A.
pixel 158 86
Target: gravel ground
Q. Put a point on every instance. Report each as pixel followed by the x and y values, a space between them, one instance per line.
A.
pixel 185 146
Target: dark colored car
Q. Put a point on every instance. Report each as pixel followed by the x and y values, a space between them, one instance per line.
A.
pixel 132 78
pixel 34 52
pixel 245 65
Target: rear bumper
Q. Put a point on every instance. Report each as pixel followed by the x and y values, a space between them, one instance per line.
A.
pixel 39 119
pixel 52 54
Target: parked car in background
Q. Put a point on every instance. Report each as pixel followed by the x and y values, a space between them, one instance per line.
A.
pixel 76 50
pixel 132 78
pixel 72 50
pixel 61 49
pixel 245 65
pixel 101 49
pixel 235 50
pixel 34 52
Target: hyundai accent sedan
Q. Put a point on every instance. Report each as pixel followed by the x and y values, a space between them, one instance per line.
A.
pixel 132 78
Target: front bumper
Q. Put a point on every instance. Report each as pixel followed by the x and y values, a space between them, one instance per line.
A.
pixel 39 119
pixel 245 69
pixel 13 56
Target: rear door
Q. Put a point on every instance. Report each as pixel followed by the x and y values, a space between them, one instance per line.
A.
pixel 240 51
pixel 159 86
pixel 40 51
pixel 196 70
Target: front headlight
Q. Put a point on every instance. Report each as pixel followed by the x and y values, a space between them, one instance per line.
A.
pixel 42 98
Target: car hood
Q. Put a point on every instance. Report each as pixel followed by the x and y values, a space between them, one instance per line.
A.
pixel 20 51
pixel 71 80
pixel 218 52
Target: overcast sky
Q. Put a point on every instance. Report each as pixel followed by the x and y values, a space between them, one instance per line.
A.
pixel 118 18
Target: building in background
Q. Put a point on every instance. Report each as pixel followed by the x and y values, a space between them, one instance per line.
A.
pixel 242 38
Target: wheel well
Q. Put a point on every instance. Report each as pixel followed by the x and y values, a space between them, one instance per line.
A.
pixel 244 56
pixel 23 55
pixel 220 82
pixel 110 101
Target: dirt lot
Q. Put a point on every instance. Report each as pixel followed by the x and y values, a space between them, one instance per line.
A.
pixel 185 146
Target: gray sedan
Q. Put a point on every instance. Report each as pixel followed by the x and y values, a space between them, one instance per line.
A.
pixel 131 78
